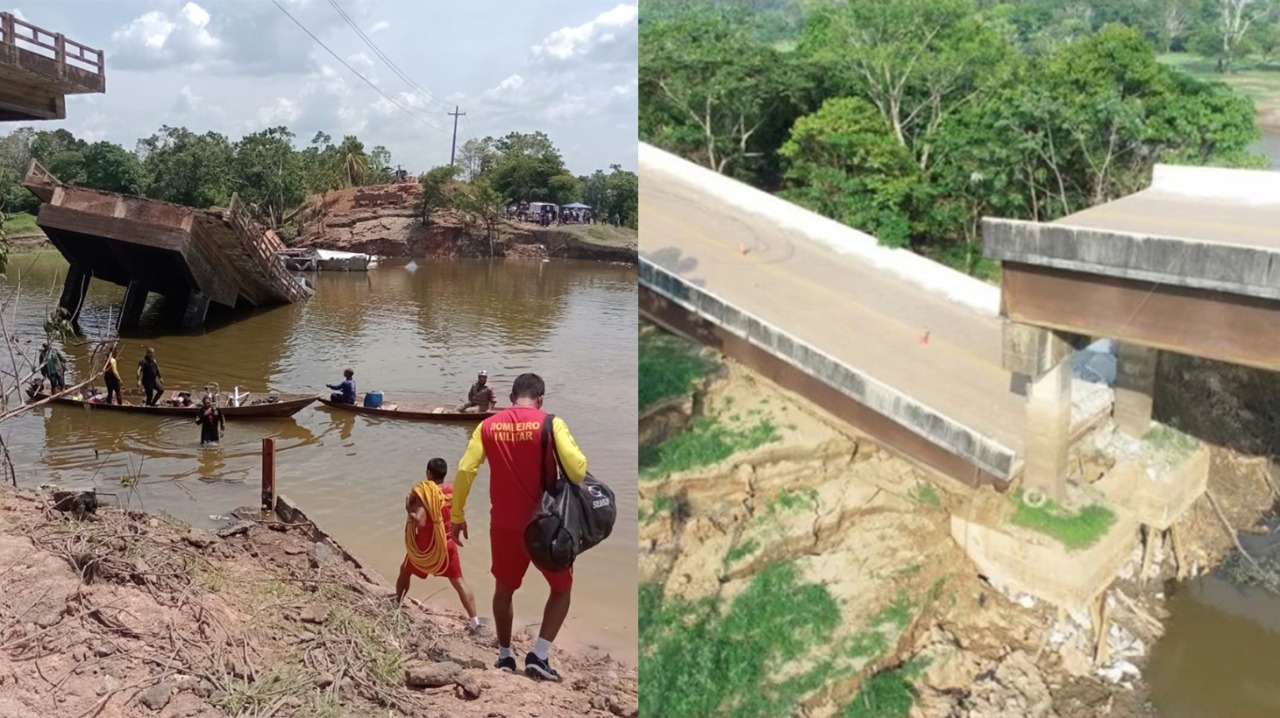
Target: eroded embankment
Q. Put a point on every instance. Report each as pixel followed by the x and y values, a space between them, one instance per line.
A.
pixel 818 572
pixel 128 614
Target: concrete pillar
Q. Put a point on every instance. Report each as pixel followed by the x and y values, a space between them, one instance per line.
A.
pixel 1135 386
pixel 1049 431
pixel 73 291
pixel 197 308
pixel 135 299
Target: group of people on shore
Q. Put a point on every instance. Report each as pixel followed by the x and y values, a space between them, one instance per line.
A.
pixel 549 214
pixel 436 525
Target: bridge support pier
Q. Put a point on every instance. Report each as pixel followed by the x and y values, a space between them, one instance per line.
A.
pixel 1042 357
pixel 1135 387
pixel 197 308
pixel 135 299
pixel 73 291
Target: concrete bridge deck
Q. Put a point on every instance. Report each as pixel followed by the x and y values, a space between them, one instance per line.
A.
pixel 39 68
pixel 838 329
pixel 192 257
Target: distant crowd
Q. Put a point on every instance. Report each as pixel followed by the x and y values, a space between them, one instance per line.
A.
pixel 545 214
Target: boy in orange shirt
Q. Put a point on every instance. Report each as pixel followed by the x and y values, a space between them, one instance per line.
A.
pixel 428 506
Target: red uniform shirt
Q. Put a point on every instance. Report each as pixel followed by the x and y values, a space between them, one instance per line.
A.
pixel 513 444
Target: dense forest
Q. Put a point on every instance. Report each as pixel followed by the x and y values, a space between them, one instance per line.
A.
pixel 913 119
pixel 273 177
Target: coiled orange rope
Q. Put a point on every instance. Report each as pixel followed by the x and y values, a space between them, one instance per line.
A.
pixel 433 561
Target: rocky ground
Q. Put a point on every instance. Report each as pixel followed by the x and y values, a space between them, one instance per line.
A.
pixel 396 231
pixel 128 614
pixel 870 527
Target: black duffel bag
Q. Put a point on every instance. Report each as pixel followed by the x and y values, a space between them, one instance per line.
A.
pixel 570 518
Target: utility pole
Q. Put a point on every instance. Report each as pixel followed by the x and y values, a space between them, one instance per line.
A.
pixel 453 150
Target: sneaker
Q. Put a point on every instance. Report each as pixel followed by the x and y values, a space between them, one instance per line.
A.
pixel 507 664
pixel 535 667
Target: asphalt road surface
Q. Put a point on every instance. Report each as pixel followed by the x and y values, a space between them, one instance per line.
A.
pixel 839 304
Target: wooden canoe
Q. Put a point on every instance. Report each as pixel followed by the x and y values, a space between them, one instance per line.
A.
pixel 255 406
pixel 418 412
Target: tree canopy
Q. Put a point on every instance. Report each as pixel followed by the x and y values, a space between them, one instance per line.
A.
pixel 912 120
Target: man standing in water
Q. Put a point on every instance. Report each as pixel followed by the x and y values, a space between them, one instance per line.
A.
pixel 481 395
pixel 54 368
pixel 111 376
pixel 428 505
pixel 149 376
pixel 512 441
pixel 212 424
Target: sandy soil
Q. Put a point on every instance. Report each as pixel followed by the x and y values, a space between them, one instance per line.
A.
pixel 394 230
pixel 128 614
pixel 874 527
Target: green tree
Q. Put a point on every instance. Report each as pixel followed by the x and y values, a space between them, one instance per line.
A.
pixel 475 158
pixel 710 88
pixel 439 185
pixel 916 61
pixel 486 204
pixel 845 162
pixel 354 162
pixel 186 168
pixel 60 153
pixel 524 166
pixel 1229 35
pixel 267 173
pixel 563 189
pixel 112 168
pixel 380 169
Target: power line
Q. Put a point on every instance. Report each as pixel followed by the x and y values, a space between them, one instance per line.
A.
pixel 394 68
pixel 366 80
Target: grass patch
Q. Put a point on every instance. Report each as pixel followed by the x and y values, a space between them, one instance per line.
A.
pixel 1250 77
pixel 887 694
pixel 669 367
pixel 1170 443
pixel 704 443
pixel 925 493
pixel 702 659
pixel 873 640
pixel 20 223
pixel 1077 530
pixel 659 506
pixel 741 551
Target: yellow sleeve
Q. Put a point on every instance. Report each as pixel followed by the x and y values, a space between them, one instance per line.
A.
pixel 575 464
pixel 467 469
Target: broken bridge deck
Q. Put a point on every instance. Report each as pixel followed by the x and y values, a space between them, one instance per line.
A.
pixel 193 257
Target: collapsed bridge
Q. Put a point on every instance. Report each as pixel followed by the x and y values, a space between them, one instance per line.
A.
pixel 194 258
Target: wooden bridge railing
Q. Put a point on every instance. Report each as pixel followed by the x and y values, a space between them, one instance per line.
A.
pixel 50 44
pixel 258 245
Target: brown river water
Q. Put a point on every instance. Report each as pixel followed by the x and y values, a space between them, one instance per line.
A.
pixel 415 332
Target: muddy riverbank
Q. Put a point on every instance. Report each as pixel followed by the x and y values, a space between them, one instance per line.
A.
pixel 894 613
pixel 125 613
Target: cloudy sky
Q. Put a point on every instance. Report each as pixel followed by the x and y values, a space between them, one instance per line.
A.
pixel 565 67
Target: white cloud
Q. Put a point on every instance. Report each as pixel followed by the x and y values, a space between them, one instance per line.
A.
pixel 379 26
pixel 156 39
pixel 281 112
pixel 363 64
pixel 18 14
pixel 611 37
pixel 186 102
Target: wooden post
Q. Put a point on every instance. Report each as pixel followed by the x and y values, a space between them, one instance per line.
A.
pixel 1148 548
pixel 268 474
pixel 1101 654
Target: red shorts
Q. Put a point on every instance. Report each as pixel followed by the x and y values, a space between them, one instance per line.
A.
pixel 451 570
pixel 511 561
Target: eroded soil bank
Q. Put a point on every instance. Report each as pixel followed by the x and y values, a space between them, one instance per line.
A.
pixel 123 613
pixel 839 556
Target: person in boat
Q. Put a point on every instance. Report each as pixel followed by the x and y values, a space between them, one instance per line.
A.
pixel 480 398
pixel 111 376
pixel 149 377
pixel 344 392
pixel 429 550
pixel 212 423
